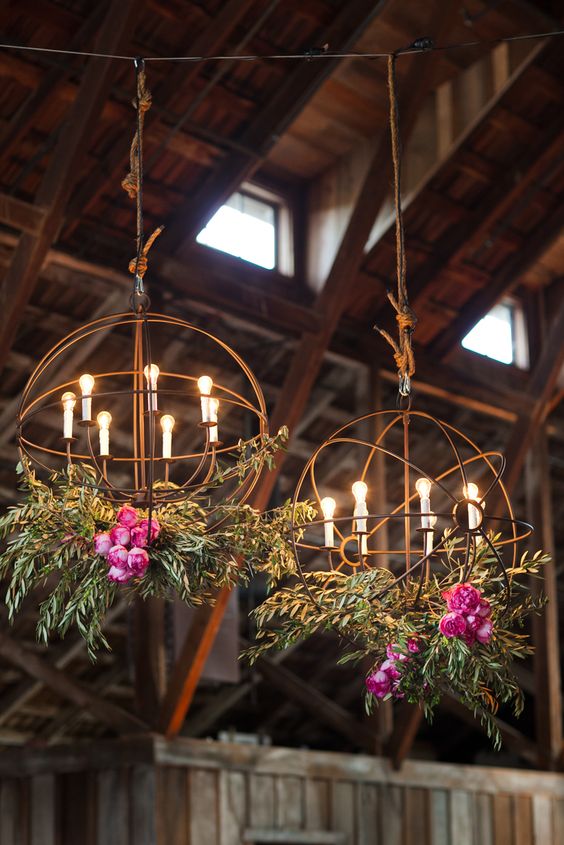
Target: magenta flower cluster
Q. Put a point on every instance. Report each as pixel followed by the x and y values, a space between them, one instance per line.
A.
pixel 386 679
pixel 469 614
pixel 124 545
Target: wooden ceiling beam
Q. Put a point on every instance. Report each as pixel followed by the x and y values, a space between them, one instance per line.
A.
pixel 23 216
pixel 63 171
pixel 108 713
pixel 273 119
pixel 181 77
pixel 40 98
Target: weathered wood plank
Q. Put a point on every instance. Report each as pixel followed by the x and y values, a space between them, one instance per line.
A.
pixel 439 818
pixel 317 804
pixel 77 808
pixel 42 810
pixel 462 818
pixel 9 811
pixel 416 817
pixel 503 822
pixel 290 803
pixel 143 791
pixel 233 797
pixel 172 805
pixel 262 800
pixel 204 804
pixel 368 810
pixel 113 807
pixel 483 813
pixel 523 820
pixel 542 820
pixel 391 797
pixel 343 808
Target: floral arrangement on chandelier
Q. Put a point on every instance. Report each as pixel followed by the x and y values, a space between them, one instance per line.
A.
pixel 123 504
pixel 448 637
pixel 88 552
pixel 429 599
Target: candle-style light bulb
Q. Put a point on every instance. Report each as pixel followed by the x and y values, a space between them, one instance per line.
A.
pixel 205 385
pixel 423 487
pixel 359 491
pixel 152 375
pixel 104 419
pixel 474 516
pixel 86 382
pixel 214 431
pixel 69 401
pixel 328 506
pixel 167 424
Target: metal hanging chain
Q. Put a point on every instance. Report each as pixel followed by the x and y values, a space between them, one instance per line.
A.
pixel 133 182
pixel 405 316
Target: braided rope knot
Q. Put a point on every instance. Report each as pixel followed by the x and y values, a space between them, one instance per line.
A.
pixel 138 266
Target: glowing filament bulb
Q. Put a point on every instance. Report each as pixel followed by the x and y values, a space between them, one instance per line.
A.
pixel 86 382
pixel 104 419
pixel 359 491
pixel 167 424
pixel 69 400
pixel 152 375
pixel 474 516
pixel 205 385
pixel 328 506
pixel 214 431
pixel 423 487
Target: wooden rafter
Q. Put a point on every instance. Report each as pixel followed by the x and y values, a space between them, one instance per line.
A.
pixel 62 172
pixel 110 714
pixel 273 119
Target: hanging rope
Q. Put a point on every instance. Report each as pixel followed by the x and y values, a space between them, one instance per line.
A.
pixel 133 182
pixel 405 316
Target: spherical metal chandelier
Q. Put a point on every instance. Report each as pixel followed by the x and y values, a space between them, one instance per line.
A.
pixel 127 425
pixel 438 506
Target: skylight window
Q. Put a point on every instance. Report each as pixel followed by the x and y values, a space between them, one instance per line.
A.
pixel 245 227
pixel 494 336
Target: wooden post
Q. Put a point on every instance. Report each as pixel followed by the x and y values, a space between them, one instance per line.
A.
pixel 149 650
pixel 548 700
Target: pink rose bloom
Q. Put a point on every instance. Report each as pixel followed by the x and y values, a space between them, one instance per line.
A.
pixel 102 543
pixel 413 646
pixel 485 608
pixel 137 561
pixel 379 684
pixel 120 535
pixel 397 693
pixel 473 622
pixel 393 654
pixel 452 625
pixel 120 576
pixel 484 632
pixel 139 534
pixel 463 598
pixel 127 516
pixel 389 667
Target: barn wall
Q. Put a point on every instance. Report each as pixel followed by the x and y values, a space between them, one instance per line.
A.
pixel 202 793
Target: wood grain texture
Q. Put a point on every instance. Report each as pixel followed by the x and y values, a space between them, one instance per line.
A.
pixel 113 807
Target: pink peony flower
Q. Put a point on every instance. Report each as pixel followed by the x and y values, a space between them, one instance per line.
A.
pixel 473 622
pixel 413 646
pixel 137 561
pixel 452 625
pixel 127 516
pixel 396 692
pixel 469 636
pixel 120 535
pixel 393 653
pixel 484 609
pixel 485 631
pixel 463 598
pixel 379 684
pixel 120 576
pixel 389 667
pixel 139 534
pixel 102 543
pixel 117 557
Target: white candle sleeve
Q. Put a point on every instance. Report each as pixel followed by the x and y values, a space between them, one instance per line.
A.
pixel 167 445
pixel 214 434
pixel 67 423
pixel 360 511
pixel 86 408
pixel 104 442
pixel 329 531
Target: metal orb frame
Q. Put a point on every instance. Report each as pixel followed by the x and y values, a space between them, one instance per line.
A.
pixel 149 474
pixel 358 550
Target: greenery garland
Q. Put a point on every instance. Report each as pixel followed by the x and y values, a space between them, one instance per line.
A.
pixel 55 539
pixel 454 638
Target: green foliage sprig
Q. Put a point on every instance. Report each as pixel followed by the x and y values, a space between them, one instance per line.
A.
pixel 372 613
pixel 50 544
